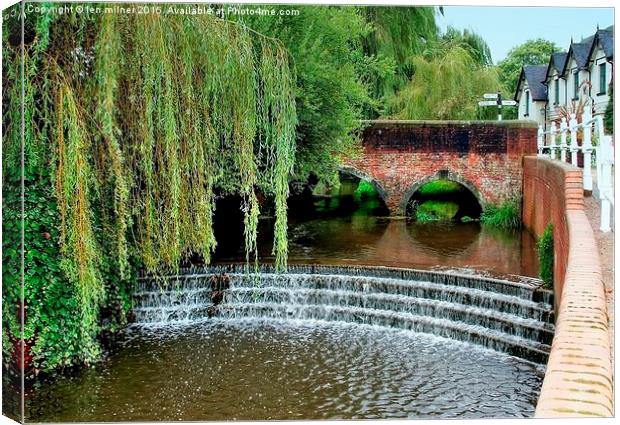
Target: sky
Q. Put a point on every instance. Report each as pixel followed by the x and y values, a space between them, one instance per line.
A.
pixel 506 27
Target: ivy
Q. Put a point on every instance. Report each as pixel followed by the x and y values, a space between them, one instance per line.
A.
pixel 546 256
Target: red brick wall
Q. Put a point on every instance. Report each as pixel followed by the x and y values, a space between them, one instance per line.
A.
pixel 550 189
pixel 579 375
pixel 399 155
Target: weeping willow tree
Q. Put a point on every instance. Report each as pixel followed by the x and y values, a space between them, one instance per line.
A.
pixel 447 83
pixel 135 123
pixel 397 35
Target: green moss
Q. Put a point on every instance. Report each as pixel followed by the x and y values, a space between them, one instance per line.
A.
pixel 545 256
pixel 436 210
pixel 505 216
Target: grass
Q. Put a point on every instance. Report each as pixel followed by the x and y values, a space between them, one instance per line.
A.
pixel 436 210
pixel 545 256
pixel 440 187
pixel 505 216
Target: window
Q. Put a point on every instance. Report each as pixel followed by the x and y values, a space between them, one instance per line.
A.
pixel 576 85
pixel 602 78
pixel 527 103
pixel 557 91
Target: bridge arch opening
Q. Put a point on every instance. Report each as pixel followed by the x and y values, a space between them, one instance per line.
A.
pixel 443 196
pixel 357 194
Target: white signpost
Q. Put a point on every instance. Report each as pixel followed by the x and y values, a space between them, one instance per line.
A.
pixel 496 102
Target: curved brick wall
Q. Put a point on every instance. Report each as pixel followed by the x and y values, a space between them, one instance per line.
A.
pixel 579 377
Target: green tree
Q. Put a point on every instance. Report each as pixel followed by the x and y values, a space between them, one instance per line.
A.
pixel 472 42
pixel 447 83
pixel 325 44
pixel 532 52
pixel 123 153
pixel 397 35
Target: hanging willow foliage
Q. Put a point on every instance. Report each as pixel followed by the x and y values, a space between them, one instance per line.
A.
pixel 147 118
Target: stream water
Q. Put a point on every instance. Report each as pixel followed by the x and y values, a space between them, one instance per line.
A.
pixel 329 343
pixel 273 369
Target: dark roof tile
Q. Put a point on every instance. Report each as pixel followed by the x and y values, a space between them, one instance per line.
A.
pixel 535 75
pixel 606 38
pixel 557 61
pixel 581 53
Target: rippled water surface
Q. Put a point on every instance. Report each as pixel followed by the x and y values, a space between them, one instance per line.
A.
pixel 265 369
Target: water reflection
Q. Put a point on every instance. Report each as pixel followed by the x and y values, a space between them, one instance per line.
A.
pixel 382 241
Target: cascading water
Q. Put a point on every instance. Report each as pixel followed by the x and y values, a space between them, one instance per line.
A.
pixel 511 317
pixel 317 342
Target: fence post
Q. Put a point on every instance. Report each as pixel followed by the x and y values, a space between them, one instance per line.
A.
pixel 587 149
pixel 573 139
pixel 563 146
pixel 539 140
pixel 554 131
pixel 604 185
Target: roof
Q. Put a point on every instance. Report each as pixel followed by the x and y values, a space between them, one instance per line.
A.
pixel 557 62
pixel 605 38
pixel 581 53
pixel 535 75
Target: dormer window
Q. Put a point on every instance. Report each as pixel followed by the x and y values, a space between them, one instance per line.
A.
pixel 557 91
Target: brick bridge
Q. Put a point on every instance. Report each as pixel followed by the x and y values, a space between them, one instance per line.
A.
pixel 398 157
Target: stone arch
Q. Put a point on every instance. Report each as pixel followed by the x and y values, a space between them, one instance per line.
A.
pixel 439 175
pixel 365 177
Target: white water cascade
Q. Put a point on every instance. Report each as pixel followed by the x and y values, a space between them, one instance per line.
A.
pixel 511 317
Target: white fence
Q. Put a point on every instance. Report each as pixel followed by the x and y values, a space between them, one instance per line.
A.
pixel 559 143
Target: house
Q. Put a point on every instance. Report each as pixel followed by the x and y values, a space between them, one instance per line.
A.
pixel 570 80
pixel 531 94
pixel 556 85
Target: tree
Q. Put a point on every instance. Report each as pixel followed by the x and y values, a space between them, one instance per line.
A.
pixel 471 41
pixel 397 35
pixel 532 52
pixel 325 45
pixel 448 80
pixel 122 157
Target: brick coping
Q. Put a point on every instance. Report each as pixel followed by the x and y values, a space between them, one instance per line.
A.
pixel 443 123
pixel 579 376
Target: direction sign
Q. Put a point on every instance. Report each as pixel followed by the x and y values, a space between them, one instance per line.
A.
pixel 508 103
pixel 488 103
pixel 490 95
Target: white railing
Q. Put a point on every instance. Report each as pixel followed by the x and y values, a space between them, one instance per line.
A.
pixel 549 145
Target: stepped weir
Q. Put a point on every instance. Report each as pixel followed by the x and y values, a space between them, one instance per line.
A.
pixel 515 318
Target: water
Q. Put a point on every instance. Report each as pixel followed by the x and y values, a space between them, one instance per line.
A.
pixel 381 241
pixel 514 318
pixel 331 340
pixel 274 369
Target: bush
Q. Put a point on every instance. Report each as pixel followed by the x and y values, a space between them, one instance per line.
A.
pixel 505 216
pixel 436 210
pixel 546 256
pixel 365 190
pixel 440 187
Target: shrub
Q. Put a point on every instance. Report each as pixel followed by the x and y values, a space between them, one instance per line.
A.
pixel 505 216
pixel 436 210
pixel 365 190
pixel 545 256
pixel 440 187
